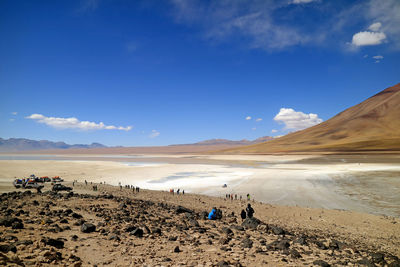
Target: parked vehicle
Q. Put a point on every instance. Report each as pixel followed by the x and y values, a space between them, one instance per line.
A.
pixel 57 179
pixel 31 184
pixel 18 183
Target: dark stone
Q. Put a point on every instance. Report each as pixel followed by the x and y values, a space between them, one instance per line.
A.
pixel 251 223
pixel 64 221
pixel 88 228
pixel 114 237
pixel 24 242
pixel 57 243
pixel 172 238
pixel 366 262
pixel 76 215
pixel 277 230
pixel 181 209
pixel 74 237
pixel 222 264
pixel 295 254
pixel 137 232
pixel 336 245
pixel 226 230
pixel 194 223
pixel 130 228
pixel 17 225
pixel 282 244
pixel 9 221
pixel 321 263
pixel 301 241
pixel 156 231
pixel 176 249
pixel 238 227
pixel 8 247
pixel 377 257
pixel 321 245
pixel 247 243
pixel 204 215
pixel 35 203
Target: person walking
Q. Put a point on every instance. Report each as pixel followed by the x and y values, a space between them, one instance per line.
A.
pixel 249 211
pixel 243 215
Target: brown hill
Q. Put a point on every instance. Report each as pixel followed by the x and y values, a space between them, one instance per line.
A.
pixel 373 125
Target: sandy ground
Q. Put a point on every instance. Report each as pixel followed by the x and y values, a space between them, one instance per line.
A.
pixel 344 183
pixel 110 245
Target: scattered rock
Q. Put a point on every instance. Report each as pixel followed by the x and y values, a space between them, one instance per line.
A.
pixel 88 228
pixel 57 243
pixel 137 232
pixel 247 243
pixel 251 223
pixel 321 263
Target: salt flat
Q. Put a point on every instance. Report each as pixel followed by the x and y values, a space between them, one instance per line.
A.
pixel 348 183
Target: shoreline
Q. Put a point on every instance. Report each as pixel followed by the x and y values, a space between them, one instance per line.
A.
pixel 305 181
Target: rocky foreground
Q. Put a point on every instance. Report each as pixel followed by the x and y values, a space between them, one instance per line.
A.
pixel 120 228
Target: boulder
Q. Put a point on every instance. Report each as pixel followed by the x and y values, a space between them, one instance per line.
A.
pixel 88 228
pixel 247 243
pixel 181 209
pixel 251 223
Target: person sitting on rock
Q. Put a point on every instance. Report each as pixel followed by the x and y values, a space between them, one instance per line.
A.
pixel 213 214
pixel 250 211
pixel 243 215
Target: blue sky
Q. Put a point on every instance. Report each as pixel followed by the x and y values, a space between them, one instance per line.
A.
pixel 137 73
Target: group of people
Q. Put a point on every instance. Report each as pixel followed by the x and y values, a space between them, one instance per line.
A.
pixel 172 191
pixel 235 197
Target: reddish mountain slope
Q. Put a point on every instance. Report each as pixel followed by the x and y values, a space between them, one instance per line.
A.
pixel 373 125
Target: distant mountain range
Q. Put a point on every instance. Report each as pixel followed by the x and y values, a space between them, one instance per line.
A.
pixel 243 142
pixel 21 144
pixel 371 126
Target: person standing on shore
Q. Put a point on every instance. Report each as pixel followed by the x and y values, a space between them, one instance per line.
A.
pixel 250 211
pixel 248 197
pixel 243 215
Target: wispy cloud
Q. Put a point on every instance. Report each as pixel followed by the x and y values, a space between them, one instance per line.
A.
pixel 296 120
pixel 88 5
pixel 74 123
pixel 248 118
pixel 14 113
pixel 302 1
pixel 274 131
pixel 259 119
pixel 154 134
pixel 253 20
pixel 378 57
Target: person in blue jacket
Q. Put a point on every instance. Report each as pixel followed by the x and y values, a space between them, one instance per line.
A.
pixel 212 214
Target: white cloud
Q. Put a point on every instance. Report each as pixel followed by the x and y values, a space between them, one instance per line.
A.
pixel 365 56
pixel 296 120
pixel 154 134
pixel 14 113
pixel 375 27
pixel 378 57
pixel 302 1
pixel 368 38
pixel 12 119
pixel 248 118
pixel 254 128
pixel 258 120
pixel 274 131
pixel 74 123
